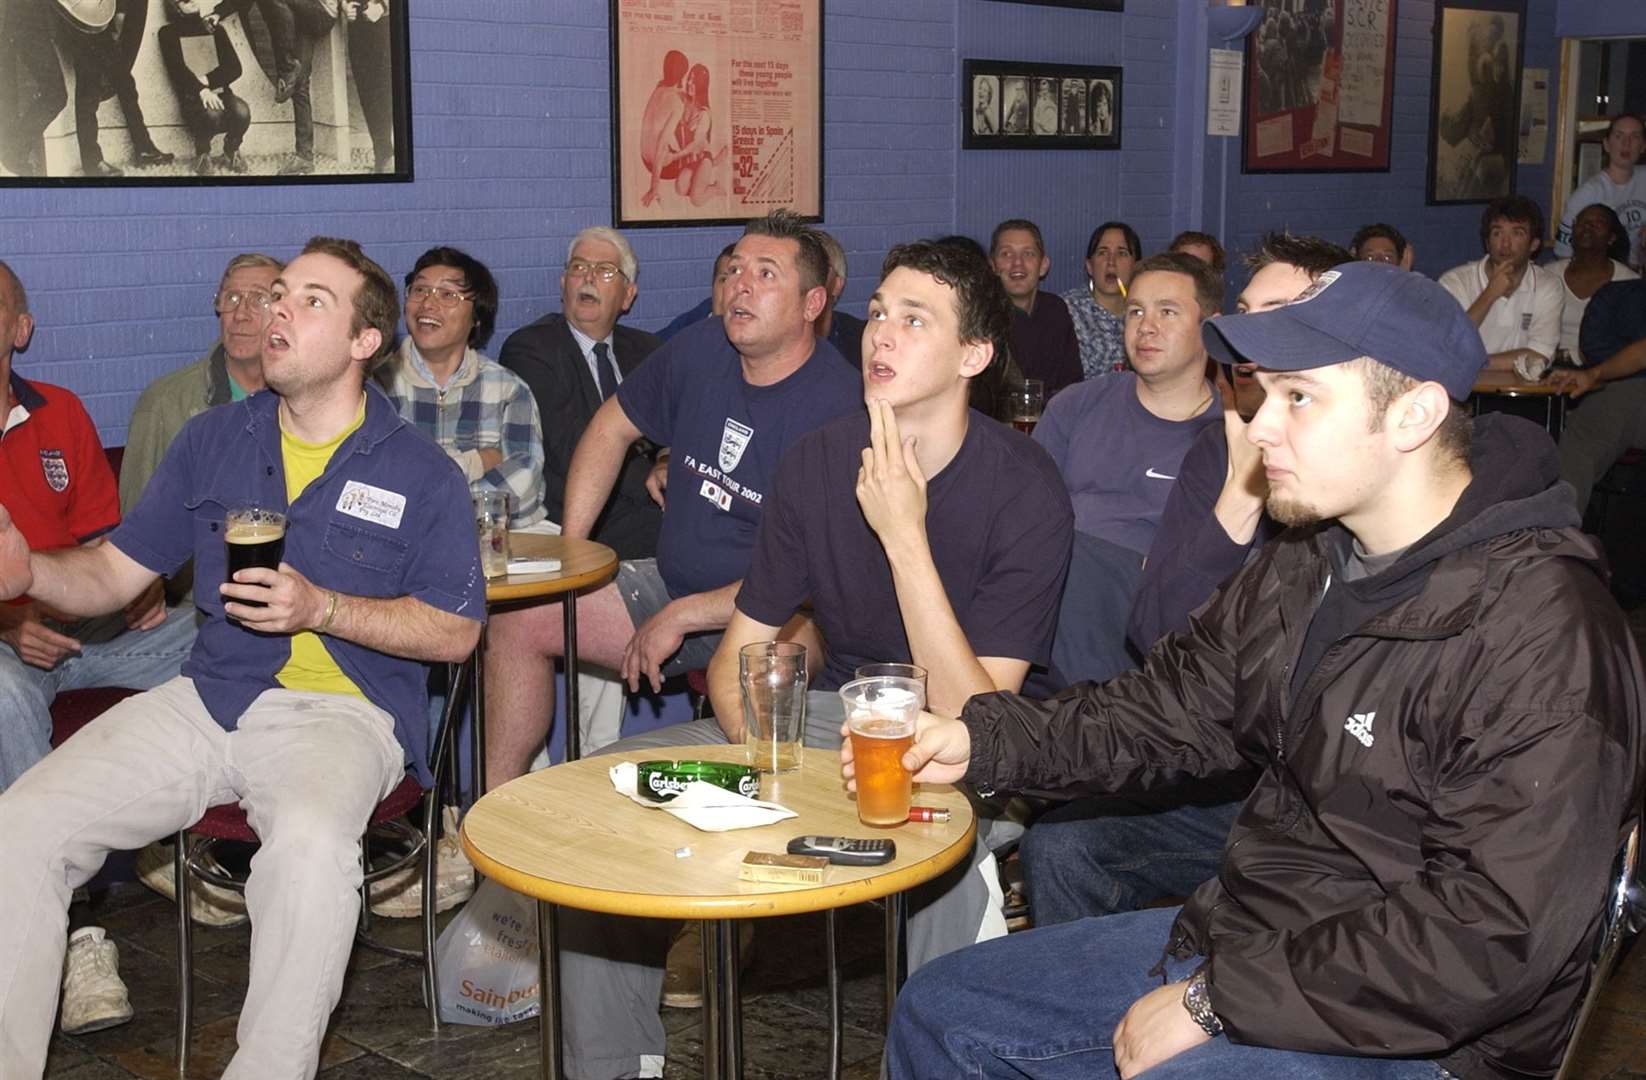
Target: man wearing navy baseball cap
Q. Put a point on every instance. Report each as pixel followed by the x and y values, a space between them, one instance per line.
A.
pixel 1444 704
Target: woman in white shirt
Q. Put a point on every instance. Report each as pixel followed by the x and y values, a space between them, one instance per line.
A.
pixel 1599 245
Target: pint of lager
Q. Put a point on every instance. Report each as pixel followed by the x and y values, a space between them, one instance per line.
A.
pixel 880 715
pixel 253 536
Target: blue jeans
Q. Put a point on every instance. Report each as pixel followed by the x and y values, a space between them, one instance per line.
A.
pixel 1104 856
pixel 1043 1005
pixel 139 661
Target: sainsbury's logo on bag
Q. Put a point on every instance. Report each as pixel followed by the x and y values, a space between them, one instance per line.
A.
pixel 485 995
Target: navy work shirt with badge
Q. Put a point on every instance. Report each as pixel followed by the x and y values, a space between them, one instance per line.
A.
pixel 725 438
pixel 389 517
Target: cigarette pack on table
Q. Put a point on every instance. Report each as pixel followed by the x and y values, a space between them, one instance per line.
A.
pixel 782 868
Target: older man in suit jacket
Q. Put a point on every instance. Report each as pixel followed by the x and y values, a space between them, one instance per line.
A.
pixel 573 361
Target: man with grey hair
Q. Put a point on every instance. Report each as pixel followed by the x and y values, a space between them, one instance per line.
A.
pixel 231 371
pixel 58 489
pixel 727 396
pixel 576 358
pixel 844 331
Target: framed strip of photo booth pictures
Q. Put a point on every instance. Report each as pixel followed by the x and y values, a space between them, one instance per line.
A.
pixel 1019 105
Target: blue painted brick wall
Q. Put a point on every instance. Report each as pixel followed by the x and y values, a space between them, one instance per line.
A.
pixel 511 135
pixel 510 104
pixel 1069 192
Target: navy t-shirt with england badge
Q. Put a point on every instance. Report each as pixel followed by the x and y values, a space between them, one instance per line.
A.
pixel 998 521
pixel 725 438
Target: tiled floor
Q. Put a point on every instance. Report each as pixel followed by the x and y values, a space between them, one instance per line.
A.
pixel 380 1031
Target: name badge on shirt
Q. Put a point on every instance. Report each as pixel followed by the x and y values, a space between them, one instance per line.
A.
pixel 372 504
pixel 1525 322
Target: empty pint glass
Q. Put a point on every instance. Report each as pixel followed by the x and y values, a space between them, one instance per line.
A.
pixel 491 523
pixel 773 679
pixel 253 536
pixel 881 714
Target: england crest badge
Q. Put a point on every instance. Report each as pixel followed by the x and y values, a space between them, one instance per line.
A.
pixel 55 468
pixel 733 441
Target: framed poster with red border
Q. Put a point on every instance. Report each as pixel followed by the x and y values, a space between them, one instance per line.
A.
pixel 1320 86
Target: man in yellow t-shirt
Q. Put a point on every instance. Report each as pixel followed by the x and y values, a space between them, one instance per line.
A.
pixel 306 710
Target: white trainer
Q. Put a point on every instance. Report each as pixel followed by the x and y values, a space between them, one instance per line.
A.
pixel 209 905
pixel 400 895
pixel 94 998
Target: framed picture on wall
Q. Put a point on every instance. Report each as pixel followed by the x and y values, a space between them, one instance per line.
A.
pixel 158 92
pixel 1017 105
pixel 1473 112
pixel 1089 5
pixel 716 111
pixel 1320 86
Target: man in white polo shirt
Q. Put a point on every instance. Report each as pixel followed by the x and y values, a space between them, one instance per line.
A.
pixel 1515 305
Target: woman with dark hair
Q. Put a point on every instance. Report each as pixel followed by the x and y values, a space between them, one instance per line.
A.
pixel 1600 244
pixel 1099 308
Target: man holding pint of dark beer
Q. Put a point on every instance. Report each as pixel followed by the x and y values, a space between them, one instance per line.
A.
pixel 303 699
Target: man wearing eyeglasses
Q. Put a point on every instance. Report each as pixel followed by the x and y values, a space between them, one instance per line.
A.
pixel 479 412
pixel 573 360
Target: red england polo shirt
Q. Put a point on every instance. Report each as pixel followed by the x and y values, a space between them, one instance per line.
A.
pixel 54 479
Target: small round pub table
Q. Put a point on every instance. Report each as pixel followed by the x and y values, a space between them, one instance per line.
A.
pixel 564 836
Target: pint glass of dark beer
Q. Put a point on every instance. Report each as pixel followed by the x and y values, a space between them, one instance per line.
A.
pixel 253 536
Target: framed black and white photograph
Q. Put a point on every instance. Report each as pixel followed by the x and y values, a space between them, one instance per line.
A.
pixel 1019 105
pixel 1473 136
pixel 156 92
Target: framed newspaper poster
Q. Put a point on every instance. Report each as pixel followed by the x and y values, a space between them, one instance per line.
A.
pixel 1320 86
pixel 717 110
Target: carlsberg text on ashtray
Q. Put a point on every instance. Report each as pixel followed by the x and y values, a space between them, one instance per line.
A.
pixel 664 780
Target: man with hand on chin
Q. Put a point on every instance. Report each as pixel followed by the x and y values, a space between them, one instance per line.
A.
pixel 306 710
pixel 1433 679
pixel 922 532
pixel 1515 303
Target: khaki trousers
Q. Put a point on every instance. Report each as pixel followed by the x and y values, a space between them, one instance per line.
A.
pixel 308 769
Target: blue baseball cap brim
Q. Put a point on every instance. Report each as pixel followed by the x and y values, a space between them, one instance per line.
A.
pixel 1396 317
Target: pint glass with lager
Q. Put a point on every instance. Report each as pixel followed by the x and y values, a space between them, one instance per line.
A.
pixel 253 536
pixel 880 715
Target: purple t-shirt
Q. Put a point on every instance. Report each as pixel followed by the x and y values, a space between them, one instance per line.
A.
pixel 725 439
pixel 1117 458
pixel 1000 527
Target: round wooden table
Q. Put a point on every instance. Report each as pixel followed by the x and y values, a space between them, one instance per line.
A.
pixel 583 563
pixel 564 836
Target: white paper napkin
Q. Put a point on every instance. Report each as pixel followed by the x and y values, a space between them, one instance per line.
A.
pixel 702 806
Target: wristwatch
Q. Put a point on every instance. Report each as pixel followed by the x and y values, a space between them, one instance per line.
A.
pixel 1199 1005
